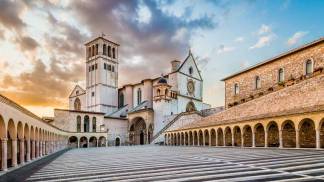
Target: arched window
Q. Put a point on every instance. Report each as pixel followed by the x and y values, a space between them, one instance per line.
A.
pixel 78 123
pixel 104 50
pixel 236 89
pixel 158 92
pixel 93 50
pixel 109 51
pixel 77 104
pixel 96 49
pixel 121 100
pixel 190 107
pixel 309 67
pixel 190 70
pixel 89 51
pixel 281 75
pixel 139 96
pixel 114 52
pixel 257 82
pixel 86 123
pixel 94 124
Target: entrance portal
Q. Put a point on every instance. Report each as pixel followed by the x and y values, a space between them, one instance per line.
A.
pixel 138 132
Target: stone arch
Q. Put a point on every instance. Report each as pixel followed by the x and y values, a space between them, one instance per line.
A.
pixel 212 137
pixel 137 132
pixel 247 136
pixel 93 141
pixel 186 139
pixel 102 141
pixel 182 139
pixel 201 138
pixel 12 140
pixel 117 141
pixel 77 104
pixel 206 134
pixel 307 133
pixel 220 137
pixel 190 138
pixel 26 141
pixel 273 134
pixel 3 133
pixel 84 142
pixel 78 123
pixel 259 135
pixel 195 138
pixel 73 142
pixel 190 107
pixel 237 136
pixel 288 134
pixel 228 136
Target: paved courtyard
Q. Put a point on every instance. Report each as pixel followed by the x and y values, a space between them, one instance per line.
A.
pixel 165 163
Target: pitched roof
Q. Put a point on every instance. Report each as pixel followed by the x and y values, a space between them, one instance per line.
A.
pixel 76 87
pixel 276 57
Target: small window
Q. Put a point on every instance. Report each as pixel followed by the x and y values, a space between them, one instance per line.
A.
pixel 92 94
pixel 92 67
pixel 93 50
pixel 104 50
pixel 96 49
pixel 309 67
pixel 109 67
pixel 113 68
pixel 89 52
pixel 109 51
pixel 257 82
pixel 190 70
pixel 236 89
pixel 105 66
pixel 166 92
pixel 281 75
pixel 96 66
pixel 114 53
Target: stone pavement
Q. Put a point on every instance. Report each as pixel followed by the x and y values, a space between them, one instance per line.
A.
pixel 170 163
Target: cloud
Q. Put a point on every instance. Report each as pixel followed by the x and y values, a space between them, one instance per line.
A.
pixel 223 49
pixel 9 15
pixel 296 37
pixel 262 41
pixel 27 43
pixel 239 39
pixel 264 29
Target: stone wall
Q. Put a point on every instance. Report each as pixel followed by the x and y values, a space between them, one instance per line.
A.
pixel 293 65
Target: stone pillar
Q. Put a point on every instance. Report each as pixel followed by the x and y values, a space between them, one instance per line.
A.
pixel 33 149
pixel 14 152
pixel 297 139
pixel 318 139
pixel 78 143
pixel 4 154
pixel 233 138
pixel 28 151
pixel 22 151
pixel 217 144
pixel 242 139
pixel 204 139
pixel 280 139
pixel 224 141
pixel 210 139
pixel 253 138
pixel 266 138
pixel 36 149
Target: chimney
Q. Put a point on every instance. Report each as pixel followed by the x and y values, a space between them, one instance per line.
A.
pixel 175 65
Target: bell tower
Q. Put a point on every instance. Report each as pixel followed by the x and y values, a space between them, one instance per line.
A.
pixel 101 75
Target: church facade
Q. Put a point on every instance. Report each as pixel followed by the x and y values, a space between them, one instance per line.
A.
pixel 131 113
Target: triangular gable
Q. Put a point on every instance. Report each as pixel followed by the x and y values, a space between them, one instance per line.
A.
pixel 189 59
pixel 77 87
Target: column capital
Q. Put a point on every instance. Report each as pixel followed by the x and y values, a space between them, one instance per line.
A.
pixel 4 139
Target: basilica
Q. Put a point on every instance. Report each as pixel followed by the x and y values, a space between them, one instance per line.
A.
pixel 131 113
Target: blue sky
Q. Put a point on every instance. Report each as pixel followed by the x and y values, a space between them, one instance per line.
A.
pixel 42 53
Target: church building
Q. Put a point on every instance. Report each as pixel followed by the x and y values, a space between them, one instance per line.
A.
pixel 132 113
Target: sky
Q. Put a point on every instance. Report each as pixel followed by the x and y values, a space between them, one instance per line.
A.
pixel 42 53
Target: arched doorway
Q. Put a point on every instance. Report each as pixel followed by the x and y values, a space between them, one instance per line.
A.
pixel 247 136
pixel 190 138
pixel 288 134
pixel 195 138
pixel 220 137
pixel 237 136
pixel 213 137
pixel 201 138
pixel 83 142
pixel 228 136
pixel 206 133
pixel 73 142
pixel 117 141
pixel 93 142
pixel 307 133
pixel 102 141
pixel 137 131
pixel 259 135
pixel 273 134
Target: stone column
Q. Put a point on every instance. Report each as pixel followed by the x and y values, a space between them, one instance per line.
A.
pixel 266 138
pixel 233 138
pixel 210 139
pixel 28 151
pixel 297 139
pixel 253 138
pixel 217 144
pixel 4 154
pixel 280 139
pixel 204 139
pixel 224 141
pixel 36 149
pixel 33 149
pixel 14 152
pixel 318 139
pixel 242 139
pixel 22 151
